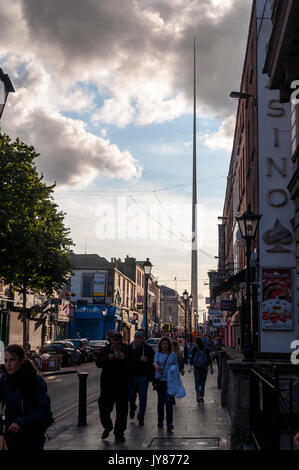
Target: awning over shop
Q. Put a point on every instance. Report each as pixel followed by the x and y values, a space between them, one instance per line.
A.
pixel 231 282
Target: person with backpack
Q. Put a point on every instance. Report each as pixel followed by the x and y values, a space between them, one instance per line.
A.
pixel 200 360
pixel 25 405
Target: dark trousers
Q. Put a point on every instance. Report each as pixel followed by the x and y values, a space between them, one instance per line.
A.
pixel 140 386
pixel 25 442
pixel 200 376
pixel 117 395
pixel 164 399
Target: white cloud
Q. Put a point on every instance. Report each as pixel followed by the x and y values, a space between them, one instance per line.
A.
pixel 137 55
pixel 223 138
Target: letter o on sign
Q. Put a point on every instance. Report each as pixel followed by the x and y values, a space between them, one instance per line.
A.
pixel 274 201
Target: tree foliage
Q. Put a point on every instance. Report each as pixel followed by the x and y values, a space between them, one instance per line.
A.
pixel 34 243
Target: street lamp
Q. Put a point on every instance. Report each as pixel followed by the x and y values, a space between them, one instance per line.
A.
pixel 190 298
pixel 104 313
pixel 147 266
pixel 185 297
pixel 248 224
pixel 5 88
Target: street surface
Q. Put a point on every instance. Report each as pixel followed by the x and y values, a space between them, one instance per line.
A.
pixel 204 426
pixel 63 390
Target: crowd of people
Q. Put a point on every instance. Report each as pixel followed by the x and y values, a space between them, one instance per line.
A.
pixel 127 371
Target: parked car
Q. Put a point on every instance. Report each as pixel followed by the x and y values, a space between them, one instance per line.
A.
pixel 97 345
pixel 153 343
pixel 70 354
pixel 84 346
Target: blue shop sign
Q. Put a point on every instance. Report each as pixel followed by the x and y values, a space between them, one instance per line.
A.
pixel 88 309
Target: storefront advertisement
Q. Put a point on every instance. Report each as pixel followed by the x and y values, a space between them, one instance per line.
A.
pixel 277 312
pixel 99 288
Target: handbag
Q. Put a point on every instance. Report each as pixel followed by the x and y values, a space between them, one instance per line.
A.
pixel 157 382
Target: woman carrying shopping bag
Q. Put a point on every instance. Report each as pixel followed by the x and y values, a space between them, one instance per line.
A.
pixel 163 360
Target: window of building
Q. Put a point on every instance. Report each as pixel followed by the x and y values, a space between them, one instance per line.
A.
pixel 87 285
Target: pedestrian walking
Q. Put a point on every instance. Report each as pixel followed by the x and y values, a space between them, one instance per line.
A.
pixel 210 344
pixel 200 359
pixel 177 349
pixel 25 404
pixel 163 360
pixel 141 372
pixel 218 348
pixel 113 360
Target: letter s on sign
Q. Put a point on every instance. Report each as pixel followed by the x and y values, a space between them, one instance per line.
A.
pixel 295 354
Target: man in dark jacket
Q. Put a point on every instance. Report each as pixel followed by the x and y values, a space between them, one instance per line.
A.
pixel 141 358
pixel 113 361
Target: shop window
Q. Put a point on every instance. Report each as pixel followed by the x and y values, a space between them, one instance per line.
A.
pixel 87 285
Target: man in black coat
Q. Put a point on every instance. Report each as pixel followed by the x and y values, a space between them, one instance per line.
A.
pixel 141 370
pixel 113 361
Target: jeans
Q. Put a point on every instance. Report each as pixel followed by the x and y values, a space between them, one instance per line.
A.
pixel 200 376
pixel 140 386
pixel 164 399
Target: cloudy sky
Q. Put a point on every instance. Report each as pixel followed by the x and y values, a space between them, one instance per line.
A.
pixel 104 93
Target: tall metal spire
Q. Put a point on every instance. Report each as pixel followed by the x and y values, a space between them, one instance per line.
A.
pixel 194 267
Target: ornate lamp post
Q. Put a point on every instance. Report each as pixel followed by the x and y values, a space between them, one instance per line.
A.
pixel 147 266
pixel 6 87
pixel 104 313
pixel 185 297
pixel 248 224
pixel 190 298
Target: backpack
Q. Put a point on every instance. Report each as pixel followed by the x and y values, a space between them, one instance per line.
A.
pixel 200 360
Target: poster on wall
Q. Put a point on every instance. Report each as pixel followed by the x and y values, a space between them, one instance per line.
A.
pixel 277 312
pixel 99 288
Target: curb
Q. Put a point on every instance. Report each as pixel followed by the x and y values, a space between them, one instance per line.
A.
pixel 59 372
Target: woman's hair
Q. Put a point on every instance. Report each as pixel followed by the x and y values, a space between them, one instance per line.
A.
pixel 198 341
pixel 17 350
pixel 165 338
pixel 20 352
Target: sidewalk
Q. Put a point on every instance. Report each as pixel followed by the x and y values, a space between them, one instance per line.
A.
pixel 196 427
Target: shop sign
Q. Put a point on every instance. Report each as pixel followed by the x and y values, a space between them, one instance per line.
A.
pixel 277 311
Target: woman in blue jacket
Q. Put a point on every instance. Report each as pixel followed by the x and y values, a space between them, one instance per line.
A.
pixel 163 360
pixel 24 402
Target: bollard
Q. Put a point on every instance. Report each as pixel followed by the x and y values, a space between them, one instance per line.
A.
pixel 82 398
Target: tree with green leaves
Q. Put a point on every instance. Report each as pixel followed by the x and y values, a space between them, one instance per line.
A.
pixel 34 243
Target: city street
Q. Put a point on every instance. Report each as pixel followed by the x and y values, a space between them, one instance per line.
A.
pixel 63 390
pixel 196 427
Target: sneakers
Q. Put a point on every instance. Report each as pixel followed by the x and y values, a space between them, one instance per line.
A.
pixel 170 427
pixel 106 433
pixel 198 398
pixel 120 437
pixel 201 400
